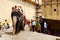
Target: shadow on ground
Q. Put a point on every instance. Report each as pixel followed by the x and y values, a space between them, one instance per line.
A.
pixel 9 33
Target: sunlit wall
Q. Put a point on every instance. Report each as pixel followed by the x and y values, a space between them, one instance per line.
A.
pixel 6 5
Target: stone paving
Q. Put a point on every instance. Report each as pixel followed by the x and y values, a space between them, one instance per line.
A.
pixel 27 35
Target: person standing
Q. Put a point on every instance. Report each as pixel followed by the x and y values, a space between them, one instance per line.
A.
pixel 45 27
pixel 39 26
pixel 0 29
pixel 0 25
pixel 6 25
pixel 25 20
pixel 33 25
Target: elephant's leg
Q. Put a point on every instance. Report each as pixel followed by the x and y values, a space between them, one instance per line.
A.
pixel 14 24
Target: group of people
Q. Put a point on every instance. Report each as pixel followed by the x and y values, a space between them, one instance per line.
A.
pixel 17 19
pixel 40 26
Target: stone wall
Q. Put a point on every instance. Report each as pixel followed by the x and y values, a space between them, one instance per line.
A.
pixel 51 9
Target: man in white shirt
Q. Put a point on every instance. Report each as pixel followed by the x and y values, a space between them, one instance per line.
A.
pixel 45 27
pixel 33 25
